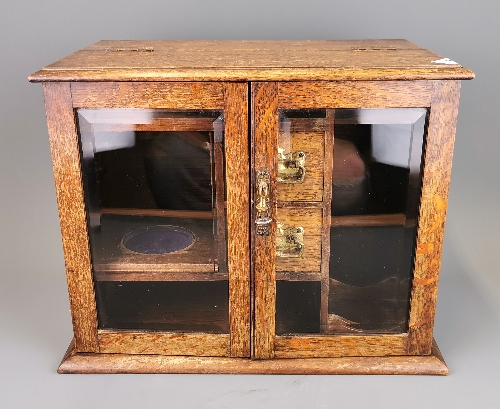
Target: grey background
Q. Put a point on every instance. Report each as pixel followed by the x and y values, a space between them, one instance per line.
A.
pixel 35 325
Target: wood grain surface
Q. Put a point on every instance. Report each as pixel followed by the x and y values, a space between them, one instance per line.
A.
pixel 241 54
pixel 264 144
pixel 120 363
pixel 311 220
pixel 341 345
pixel 312 144
pixel 250 61
pixel 65 152
pixel 355 94
pixel 163 344
pixel 262 74
pixel 238 222
pixel 169 95
pixel 433 205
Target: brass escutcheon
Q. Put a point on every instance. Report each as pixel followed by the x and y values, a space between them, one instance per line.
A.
pixel 289 241
pixel 262 219
pixel 291 166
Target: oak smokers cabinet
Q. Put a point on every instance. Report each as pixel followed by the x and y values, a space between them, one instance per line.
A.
pixel 252 206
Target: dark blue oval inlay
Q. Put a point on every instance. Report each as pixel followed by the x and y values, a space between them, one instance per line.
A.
pixel 158 240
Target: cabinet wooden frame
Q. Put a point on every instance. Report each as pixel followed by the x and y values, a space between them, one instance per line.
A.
pixel 106 363
pixel 61 101
pixel 253 82
pixel 441 99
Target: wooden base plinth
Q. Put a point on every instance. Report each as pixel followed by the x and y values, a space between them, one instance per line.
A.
pixel 74 362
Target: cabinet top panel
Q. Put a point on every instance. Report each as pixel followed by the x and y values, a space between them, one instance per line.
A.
pixel 159 60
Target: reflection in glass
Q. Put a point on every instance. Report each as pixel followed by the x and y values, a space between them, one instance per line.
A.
pixel 155 201
pixel 186 306
pixel 365 273
pixel 297 307
pixel 375 195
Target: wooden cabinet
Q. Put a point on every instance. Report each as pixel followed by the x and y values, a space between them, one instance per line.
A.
pixel 252 207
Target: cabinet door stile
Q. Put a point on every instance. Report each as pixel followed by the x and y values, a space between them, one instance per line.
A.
pixel 238 223
pixel 264 148
pixel 65 151
pixel 434 200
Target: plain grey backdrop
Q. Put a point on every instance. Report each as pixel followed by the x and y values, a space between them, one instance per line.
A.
pixel 35 325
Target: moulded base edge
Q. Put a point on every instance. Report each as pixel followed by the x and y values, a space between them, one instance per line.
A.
pixel 88 363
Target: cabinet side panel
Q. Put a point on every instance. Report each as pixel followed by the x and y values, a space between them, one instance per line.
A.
pixel 237 188
pixel 264 140
pixel 68 179
pixel 434 200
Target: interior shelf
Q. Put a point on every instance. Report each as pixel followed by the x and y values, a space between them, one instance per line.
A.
pixel 114 262
pixel 394 219
pixel 297 276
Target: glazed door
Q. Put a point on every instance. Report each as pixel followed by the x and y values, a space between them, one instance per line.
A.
pixel 337 222
pixel 166 197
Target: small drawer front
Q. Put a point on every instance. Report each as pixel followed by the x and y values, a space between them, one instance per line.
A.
pixel 311 141
pixel 310 219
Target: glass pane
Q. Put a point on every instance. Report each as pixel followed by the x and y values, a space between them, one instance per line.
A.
pixel 297 307
pixel 375 195
pixel 154 191
pixel 185 306
pixel 364 275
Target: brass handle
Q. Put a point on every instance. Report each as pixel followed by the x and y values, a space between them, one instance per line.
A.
pixel 262 219
pixel 291 167
pixel 289 241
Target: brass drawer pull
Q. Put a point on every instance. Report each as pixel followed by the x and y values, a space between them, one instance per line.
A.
pixel 262 219
pixel 289 241
pixel 291 166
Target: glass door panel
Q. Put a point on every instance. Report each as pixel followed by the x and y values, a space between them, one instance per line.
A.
pixel 346 247
pixel 155 197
